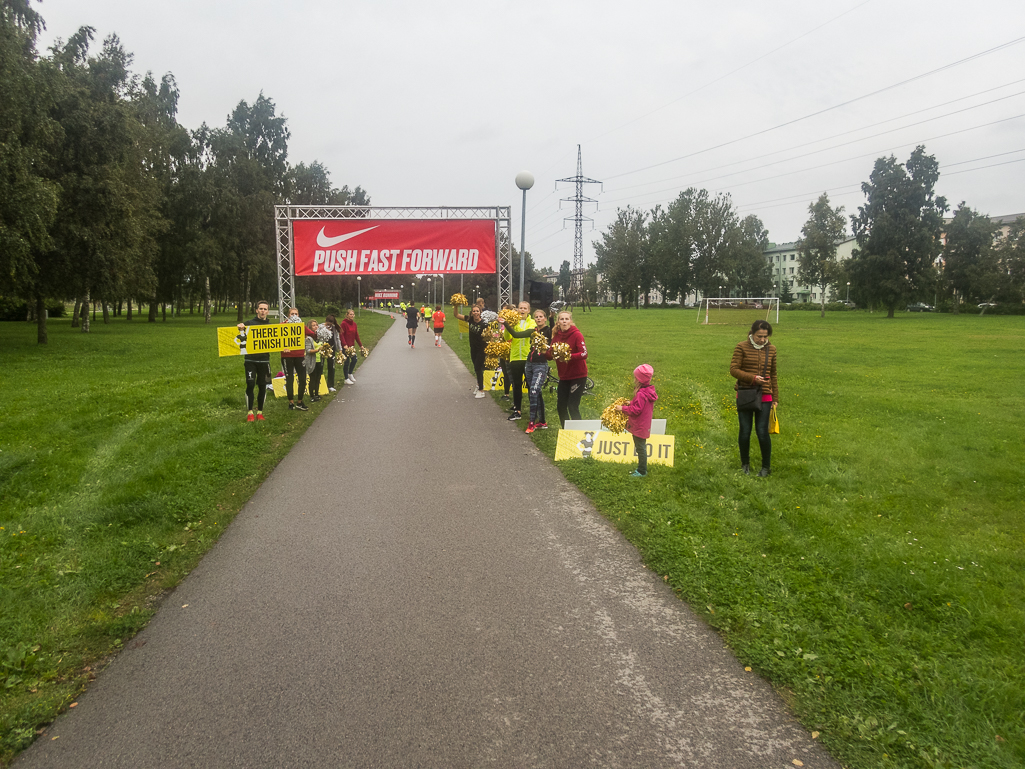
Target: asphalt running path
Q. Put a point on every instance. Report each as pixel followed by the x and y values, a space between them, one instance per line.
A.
pixel 415 585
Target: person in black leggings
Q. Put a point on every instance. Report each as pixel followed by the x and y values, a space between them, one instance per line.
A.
pixel 753 365
pixel 572 373
pixel 257 366
pixel 476 326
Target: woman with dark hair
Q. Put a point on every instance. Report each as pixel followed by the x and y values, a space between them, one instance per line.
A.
pixel 754 367
pixel 476 327
pixel 536 371
pixel 292 363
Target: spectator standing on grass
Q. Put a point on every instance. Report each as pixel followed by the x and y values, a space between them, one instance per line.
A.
pixel 536 372
pixel 750 359
pixel 438 319
pixel 292 363
pixel 350 338
pixel 257 365
pixel 503 363
pixel 314 365
pixel 336 345
pixel 572 373
pixel 639 410
pixel 478 342
pixel 519 347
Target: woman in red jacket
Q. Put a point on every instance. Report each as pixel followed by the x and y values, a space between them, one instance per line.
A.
pixel 350 338
pixel 572 373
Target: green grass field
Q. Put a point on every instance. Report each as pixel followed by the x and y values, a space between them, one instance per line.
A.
pixel 124 453
pixel 876 578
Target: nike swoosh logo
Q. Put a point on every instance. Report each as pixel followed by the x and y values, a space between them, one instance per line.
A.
pixel 325 242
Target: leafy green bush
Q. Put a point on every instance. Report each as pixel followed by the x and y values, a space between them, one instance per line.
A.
pixel 12 308
pixel 309 308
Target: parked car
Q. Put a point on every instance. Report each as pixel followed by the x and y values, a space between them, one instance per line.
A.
pixel 920 307
pixel 987 304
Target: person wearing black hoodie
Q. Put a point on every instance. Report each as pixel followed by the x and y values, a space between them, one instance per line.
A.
pixel 257 366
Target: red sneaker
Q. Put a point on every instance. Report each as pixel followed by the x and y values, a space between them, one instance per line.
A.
pixel 530 428
pixel 541 425
pixel 251 418
pixel 259 418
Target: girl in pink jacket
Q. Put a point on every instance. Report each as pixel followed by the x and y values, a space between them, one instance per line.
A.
pixel 640 410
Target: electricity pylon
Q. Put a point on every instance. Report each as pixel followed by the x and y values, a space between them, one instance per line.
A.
pixel 577 273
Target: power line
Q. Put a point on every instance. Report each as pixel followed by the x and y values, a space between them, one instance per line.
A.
pixel 845 133
pixel 827 109
pixel 831 163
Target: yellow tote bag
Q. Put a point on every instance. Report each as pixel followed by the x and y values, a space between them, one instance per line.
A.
pixel 773 421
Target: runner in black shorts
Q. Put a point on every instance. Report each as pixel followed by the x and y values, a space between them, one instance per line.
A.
pixel 412 316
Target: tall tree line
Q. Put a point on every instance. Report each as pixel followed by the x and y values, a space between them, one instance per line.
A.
pixel 696 243
pixel 906 250
pixel 105 199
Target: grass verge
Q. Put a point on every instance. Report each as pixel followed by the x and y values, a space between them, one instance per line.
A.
pixel 124 454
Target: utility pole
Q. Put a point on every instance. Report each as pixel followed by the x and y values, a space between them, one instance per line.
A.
pixel 577 273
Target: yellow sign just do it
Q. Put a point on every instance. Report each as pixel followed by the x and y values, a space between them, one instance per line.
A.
pixel 257 339
pixel 612 447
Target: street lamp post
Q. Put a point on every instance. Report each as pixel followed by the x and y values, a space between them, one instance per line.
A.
pixel 638 297
pixel 848 292
pixel 400 293
pixel 430 296
pixel 359 304
pixel 524 180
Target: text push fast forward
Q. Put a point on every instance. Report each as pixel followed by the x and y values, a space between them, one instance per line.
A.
pixel 389 247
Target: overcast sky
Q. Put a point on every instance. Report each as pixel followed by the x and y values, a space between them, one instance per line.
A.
pixel 444 103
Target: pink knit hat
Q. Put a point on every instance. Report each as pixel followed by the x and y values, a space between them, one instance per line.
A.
pixel 643 373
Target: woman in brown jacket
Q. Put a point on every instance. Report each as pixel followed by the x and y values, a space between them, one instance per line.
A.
pixel 750 359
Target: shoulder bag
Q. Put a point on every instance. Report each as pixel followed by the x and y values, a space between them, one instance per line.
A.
pixel 750 398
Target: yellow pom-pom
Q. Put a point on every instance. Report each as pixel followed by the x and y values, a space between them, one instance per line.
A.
pixel 364 351
pixel 612 419
pixel 511 317
pixel 490 362
pixel 458 299
pixel 561 351
pixel 538 342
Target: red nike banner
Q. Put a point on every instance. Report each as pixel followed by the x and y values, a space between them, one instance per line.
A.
pixel 393 247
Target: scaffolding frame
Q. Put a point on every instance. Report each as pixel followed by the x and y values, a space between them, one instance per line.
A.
pixel 284 215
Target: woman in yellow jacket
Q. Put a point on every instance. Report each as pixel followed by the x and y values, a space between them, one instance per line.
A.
pixel 519 349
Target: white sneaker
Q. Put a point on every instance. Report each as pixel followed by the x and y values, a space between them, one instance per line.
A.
pixel 350 381
pixel 331 390
pixel 352 378
pixel 480 394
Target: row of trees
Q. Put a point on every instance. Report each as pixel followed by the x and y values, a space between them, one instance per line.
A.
pixel 105 198
pixel 905 249
pixel 697 243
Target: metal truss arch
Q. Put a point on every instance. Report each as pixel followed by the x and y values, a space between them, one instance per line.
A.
pixel 284 215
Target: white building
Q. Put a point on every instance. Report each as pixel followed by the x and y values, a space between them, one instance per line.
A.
pixel 785 263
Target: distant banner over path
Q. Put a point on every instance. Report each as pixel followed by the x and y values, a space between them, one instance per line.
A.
pixel 393 247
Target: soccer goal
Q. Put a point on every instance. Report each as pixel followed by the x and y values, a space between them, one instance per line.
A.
pixel 738 311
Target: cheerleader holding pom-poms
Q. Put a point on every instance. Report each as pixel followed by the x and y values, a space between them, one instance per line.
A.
pixel 570 355
pixel 639 411
pixel 350 342
pixel 478 333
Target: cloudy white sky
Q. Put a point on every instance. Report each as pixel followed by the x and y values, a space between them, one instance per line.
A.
pixel 771 101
